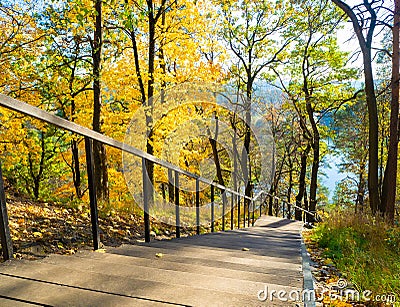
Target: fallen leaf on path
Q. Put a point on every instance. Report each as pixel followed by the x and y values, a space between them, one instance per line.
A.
pixel 37 234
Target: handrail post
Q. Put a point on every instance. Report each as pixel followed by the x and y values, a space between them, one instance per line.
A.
pixel 248 212
pixel 265 202
pixel 244 211
pixel 238 211
pixel 252 208
pixel 232 200
pixel 197 206
pixel 223 209
pixel 146 200
pixel 212 208
pixel 5 236
pixel 92 193
pixel 177 213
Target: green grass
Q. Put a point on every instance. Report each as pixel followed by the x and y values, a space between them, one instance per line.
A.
pixel 365 249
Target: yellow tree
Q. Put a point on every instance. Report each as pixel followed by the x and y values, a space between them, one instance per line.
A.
pixel 63 77
pixel 28 150
pixel 150 57
pixel 19 34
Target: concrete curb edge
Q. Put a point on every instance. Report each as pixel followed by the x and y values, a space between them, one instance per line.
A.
pixel 308 283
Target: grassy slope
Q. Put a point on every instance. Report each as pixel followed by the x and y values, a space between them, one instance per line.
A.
pixel 365 249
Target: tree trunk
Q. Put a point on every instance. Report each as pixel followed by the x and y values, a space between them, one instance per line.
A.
pixel 164 196
pixel 213 143
pixel 246 167
pixel 275 183
pixel 75 166
pixel 381 168
pixel 99 152
pixel 150 89
pixel 315 137
pixel 76 172
pixel 37 178
pixel 290 186
pixel 235 162
pixel 171 188
pixel 162 59
pixel 302 182
pixel 360 192
pixel 361 187
pixel 305 203
pixel 270 204
pixel 366 45
pixel 315 164
pixel 390 178
pixel 373 181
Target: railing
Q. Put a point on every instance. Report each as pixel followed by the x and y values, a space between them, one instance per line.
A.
pixel 90 136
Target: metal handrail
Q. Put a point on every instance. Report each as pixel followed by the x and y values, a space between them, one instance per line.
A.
pixel 29 110
pixel 262 192
pixel 304 210
pixel 90 135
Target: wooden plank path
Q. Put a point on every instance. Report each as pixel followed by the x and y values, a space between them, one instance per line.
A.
pixel 208 270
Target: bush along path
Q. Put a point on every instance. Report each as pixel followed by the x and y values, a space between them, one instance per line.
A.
pixel 355 261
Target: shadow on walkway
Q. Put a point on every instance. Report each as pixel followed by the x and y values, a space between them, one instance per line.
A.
pixel 279 224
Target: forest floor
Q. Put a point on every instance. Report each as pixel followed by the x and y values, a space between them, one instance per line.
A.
pixel 41 228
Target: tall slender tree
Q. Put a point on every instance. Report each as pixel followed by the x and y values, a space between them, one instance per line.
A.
pixel 364 28
pixel 250 31
pixel 318 77
pixel 99 150
pixel 390 177
pixel 351 142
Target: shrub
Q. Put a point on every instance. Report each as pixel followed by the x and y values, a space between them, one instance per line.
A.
pixel 364 248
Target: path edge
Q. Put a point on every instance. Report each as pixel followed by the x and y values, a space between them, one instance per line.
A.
pixel 308 281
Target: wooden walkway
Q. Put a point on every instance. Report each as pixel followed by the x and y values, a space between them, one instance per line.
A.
pixel 219 269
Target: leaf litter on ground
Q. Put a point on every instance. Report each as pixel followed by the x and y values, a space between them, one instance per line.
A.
pixel 42 228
